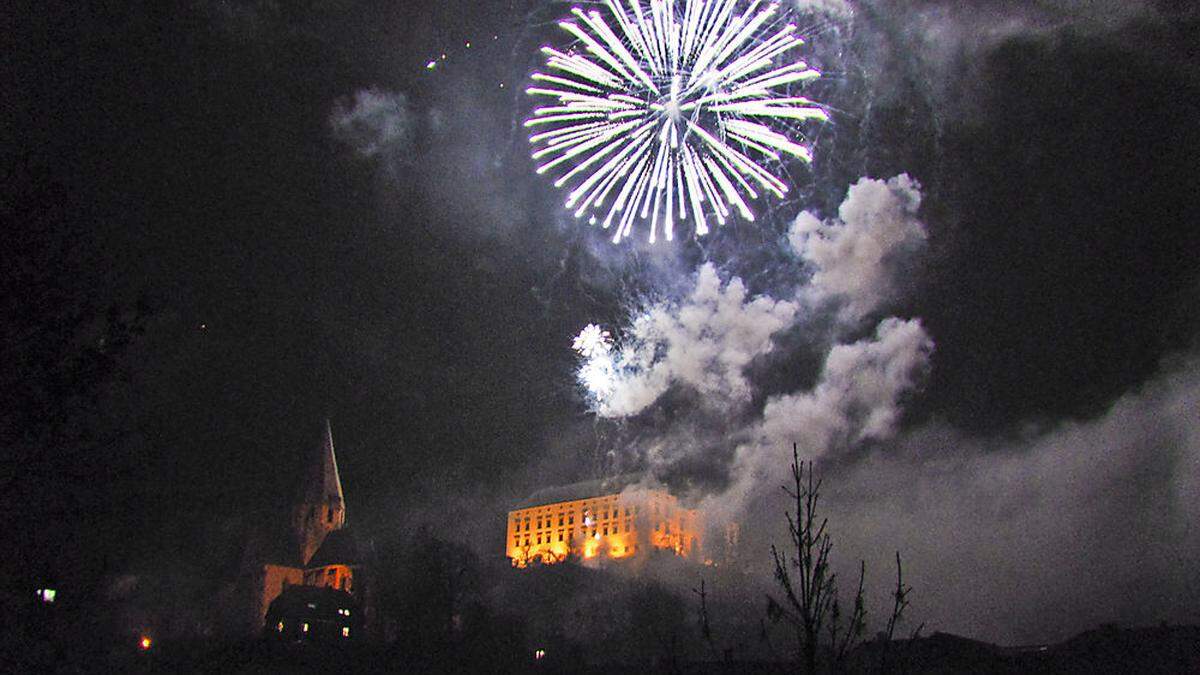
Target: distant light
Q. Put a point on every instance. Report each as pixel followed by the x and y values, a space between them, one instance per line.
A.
pixel 468 45
pixel 279 627
pixel 145 643
pixel 443 57
pixel 501 85
pixel 47 594
pixel 312 605
pixel 203 326
pixel 431 65
pixel 539 654
pixel 304 628
pixel 345 631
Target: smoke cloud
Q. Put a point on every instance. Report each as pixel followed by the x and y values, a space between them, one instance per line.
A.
pixel 1046 534
pixel 703 343
pixel 858 396
pixel 731 453
pixel 855 256
pixel 374 123
pixel 834 8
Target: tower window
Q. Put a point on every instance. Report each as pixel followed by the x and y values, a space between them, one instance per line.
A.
pixel 329 516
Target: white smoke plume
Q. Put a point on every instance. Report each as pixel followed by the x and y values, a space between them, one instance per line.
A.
pixel 859 393
pixel 857 399
pixel 1097 516
pixel 855 256
pixel 840 9
pixel 703 343
pixel 376 122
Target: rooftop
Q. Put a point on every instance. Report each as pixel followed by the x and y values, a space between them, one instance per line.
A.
pixel 580 490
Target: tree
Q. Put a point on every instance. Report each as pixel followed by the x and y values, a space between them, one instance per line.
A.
pixel 66 326
pixel 811 604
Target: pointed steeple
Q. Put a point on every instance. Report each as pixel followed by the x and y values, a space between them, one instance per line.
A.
pixel 322 507
pixel 331 482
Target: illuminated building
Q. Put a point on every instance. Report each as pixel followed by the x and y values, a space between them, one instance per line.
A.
pixel 600 520
pixel 322 552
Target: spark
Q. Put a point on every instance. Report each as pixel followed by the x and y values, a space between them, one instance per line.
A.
pixel 598 371
pixel 669 109
pixel 592 341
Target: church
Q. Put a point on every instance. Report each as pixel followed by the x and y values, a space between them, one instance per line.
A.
pixel 317 552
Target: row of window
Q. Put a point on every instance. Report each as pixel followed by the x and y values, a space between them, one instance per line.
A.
pixel 520 524
pixel 602 531
pixel 304 628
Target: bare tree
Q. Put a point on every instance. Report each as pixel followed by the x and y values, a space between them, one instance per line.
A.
pixel 811 603
pixel 808 583
pixel 899 604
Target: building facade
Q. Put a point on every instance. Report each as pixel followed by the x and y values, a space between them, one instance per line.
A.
pixel 596 521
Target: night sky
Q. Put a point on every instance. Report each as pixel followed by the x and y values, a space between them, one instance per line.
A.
pixel 304 221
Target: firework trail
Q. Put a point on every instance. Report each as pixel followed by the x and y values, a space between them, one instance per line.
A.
pixel 664 109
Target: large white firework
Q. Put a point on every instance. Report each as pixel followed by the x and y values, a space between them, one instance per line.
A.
pixel 671 109
pixel 598 370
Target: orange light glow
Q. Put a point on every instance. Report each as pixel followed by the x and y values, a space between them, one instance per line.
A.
pixel 614 526
pixel 145 643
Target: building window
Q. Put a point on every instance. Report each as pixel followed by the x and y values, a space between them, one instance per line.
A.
pixel 346 629
pixel 606 530
pixel 571 520
pixel 329 515
pixel 304 628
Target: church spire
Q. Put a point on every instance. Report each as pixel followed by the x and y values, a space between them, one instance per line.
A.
pixel 331 482
pixel 322 507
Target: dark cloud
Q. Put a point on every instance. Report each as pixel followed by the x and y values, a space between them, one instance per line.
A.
pixel 1031 467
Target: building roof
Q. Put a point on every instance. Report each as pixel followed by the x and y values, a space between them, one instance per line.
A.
pixel 311 600
pixel 580 490
pixel 339 548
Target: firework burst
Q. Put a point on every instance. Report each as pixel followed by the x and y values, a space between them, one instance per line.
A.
pixel 598 371
pixel 666 110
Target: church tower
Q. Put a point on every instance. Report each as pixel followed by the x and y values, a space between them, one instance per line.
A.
pixel 321 508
